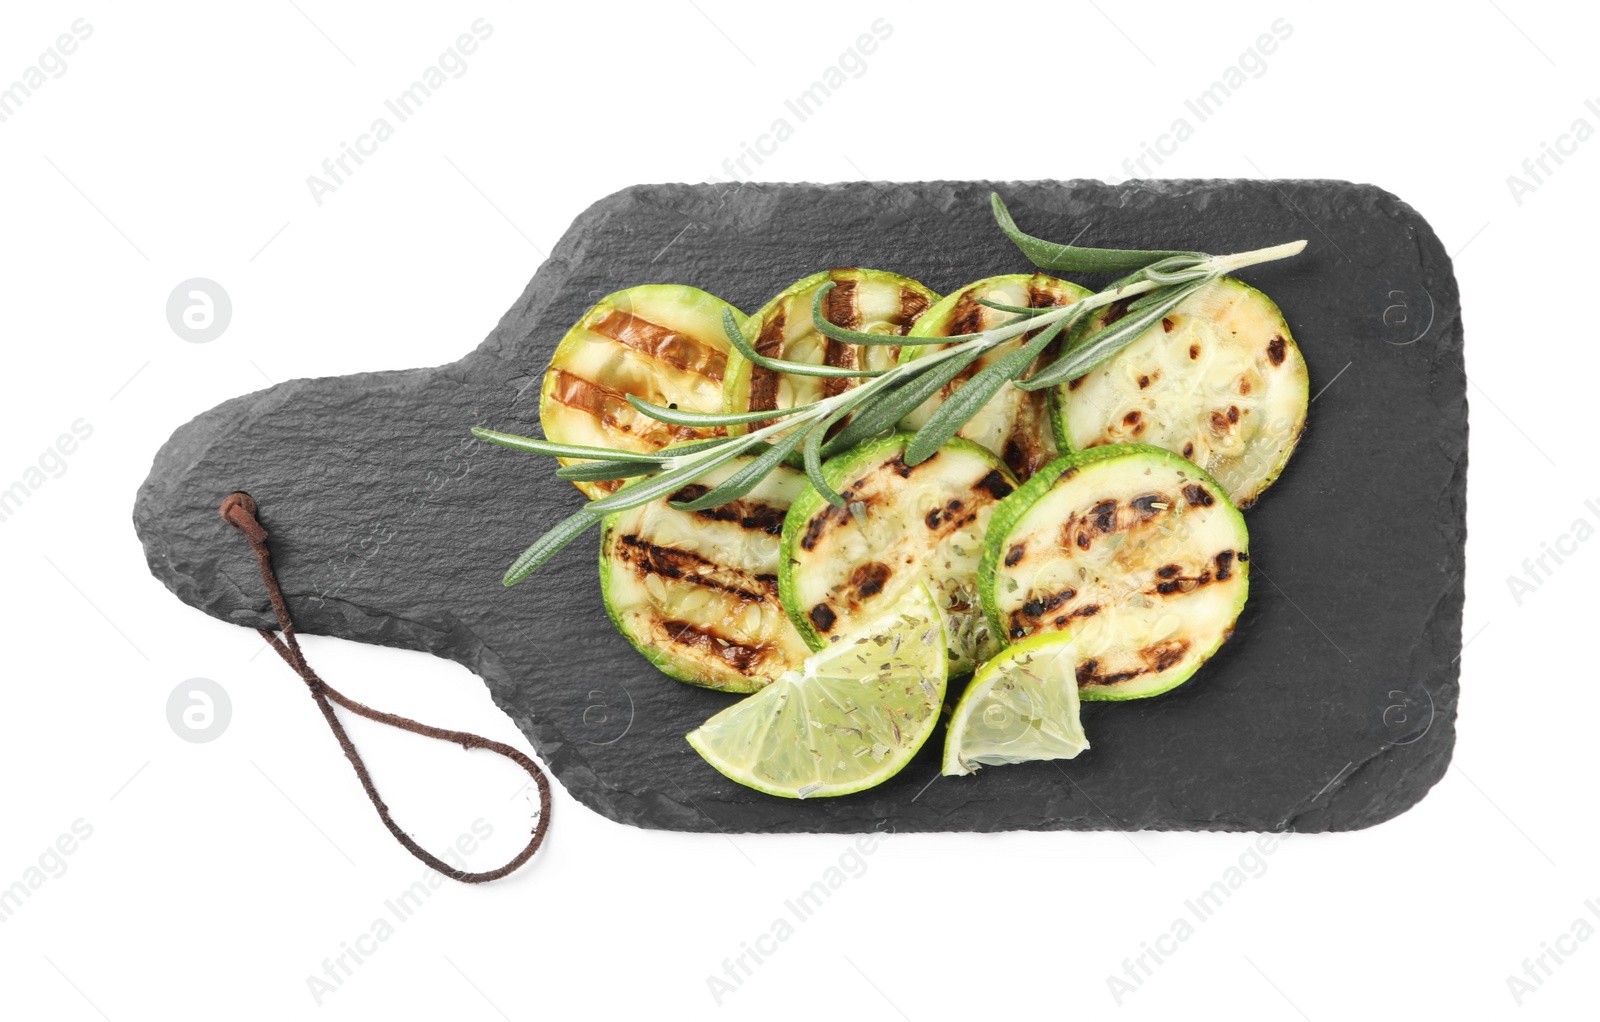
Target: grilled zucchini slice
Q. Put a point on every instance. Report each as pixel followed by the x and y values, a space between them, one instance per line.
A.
pixel 1014 424
pixel 1219 381
pixel 696 592
pixel 662 342
pixel 842 566
pixel 1135 551
pixel 871 301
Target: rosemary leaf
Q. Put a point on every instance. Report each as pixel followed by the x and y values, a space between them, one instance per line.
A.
pixel 745 480
pixel 684 417
pixel 548 545
pixel 595 471
pixel 1107 341
pixel 1052 256
pixel 947 420
pixel 1019 309
pixel 813 457
pixel 894 404
pixel 744 347
pixel 648 489
pixel 523 443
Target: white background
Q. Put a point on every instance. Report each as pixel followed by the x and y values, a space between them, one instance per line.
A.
pixel 219 876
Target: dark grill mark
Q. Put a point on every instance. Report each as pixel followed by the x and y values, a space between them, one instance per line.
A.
pixel 1219 422
pixel 1233 413
pixel 1244 386
pixel 1188 450
pixel 1075 383
pixel 1166 325
pixel 1026 618
pixel 940 515
pixel 1166 655
pixel 662 344
pixel 1198 496
pixel 1015 554
pixel 995 485
pixel 764 382
pixel 1105 516
pixel 966 317
pixel 1194 351
pixel 869 579
pixel 1116 310
pixel 611 408
pixel 1276 349
pixel 1144 381
pixel 840 308
pixel 1168 571
pixel 1244 558
pixel 703 640
pixel 1224 565
pixel 820 522
pixel 912 305
pixel 647 558
pixel 747 514
pixel 1143 505
pixel 823 617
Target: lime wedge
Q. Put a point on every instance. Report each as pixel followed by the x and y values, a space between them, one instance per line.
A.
pixel 848 718
pixel 1021 706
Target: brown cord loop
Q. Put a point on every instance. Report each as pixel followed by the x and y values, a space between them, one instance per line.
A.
pixel 239 510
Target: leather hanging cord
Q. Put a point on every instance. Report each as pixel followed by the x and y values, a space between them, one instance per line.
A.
pixel 239 510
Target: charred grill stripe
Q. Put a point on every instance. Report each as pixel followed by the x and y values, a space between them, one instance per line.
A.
pixel 769 342
pixel 1105 516
pixel 1198 496
pixel 994 484
pixel 752 515
pixel 736 655
pixel 610 407
pixel 841 307
pixel 687 566
pixel 1276 350
pixel 661 343
pixel 1224 565
pixel 912 305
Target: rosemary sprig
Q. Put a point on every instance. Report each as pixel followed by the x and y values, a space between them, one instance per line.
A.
pixel 1156 282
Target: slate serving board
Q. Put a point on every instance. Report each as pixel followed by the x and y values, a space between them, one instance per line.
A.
pixel 1332 707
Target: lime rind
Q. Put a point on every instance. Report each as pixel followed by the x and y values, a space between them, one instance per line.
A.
pixel 851 717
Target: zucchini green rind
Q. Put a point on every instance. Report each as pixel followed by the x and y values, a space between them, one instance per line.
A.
pixel 870 301
pixel 696 592
pixel 1014 424
pixel 1219 380
pixel 901 525
pixel 661 342
pixel 1134 550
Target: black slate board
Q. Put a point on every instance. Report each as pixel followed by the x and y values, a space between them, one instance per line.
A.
pixel 1332 707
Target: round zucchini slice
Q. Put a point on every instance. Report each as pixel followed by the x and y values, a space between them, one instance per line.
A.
pixel 1219 381
pixel 870 301
pixel 1014 424
pixel 842 566
pixel 696 592
pixel 1132 549
pixel 662 342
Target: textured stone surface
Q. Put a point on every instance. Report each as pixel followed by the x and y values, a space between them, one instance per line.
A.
pixel 1332 708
